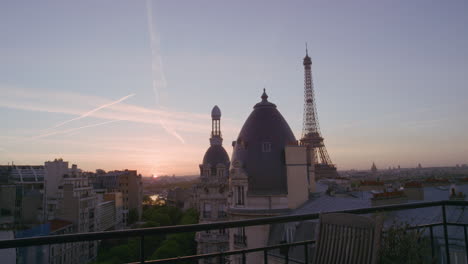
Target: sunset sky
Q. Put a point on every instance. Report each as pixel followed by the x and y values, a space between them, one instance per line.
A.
pixel 130 84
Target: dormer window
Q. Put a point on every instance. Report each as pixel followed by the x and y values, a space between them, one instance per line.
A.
pixel 266 147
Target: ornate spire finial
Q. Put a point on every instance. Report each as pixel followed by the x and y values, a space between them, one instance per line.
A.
pixel 264 96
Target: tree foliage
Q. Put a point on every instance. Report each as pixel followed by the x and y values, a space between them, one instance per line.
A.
pixel 156 247
pixel 403 245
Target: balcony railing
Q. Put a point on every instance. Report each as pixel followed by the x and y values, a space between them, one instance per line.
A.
pixel 146 232
pixel 240 240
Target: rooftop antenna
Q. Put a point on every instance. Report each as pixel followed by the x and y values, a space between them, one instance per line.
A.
pixel 307 52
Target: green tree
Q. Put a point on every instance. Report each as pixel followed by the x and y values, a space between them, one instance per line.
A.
pixel 161 246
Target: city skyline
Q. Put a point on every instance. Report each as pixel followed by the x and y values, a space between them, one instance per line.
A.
pixel 132 85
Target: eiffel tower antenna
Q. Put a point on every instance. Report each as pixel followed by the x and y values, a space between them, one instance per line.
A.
pixel 311 135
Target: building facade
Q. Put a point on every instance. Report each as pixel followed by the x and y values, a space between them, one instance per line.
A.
pixel 269 176
pixel 127 182
pixel 212 192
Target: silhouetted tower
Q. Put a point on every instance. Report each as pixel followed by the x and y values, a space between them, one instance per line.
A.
pixel 311 136
pixel 216 138
pixel 373 168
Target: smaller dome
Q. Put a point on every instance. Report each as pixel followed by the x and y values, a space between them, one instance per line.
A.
pixel 216 154
pixel 216 113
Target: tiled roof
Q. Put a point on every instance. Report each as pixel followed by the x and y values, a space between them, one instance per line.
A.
pixel 57 224
pixel 326 203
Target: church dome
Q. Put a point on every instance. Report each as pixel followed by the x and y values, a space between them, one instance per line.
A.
pixel 216 154
pixel 260 148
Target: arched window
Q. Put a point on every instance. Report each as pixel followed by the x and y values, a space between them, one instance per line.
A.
pixel 239 195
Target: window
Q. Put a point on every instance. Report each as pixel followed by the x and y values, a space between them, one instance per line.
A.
pixel 266 147
pixel 206 210
pixel 289 234
pixel 221 211
pixel 239 196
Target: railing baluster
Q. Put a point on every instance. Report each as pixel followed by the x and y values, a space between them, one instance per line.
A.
pixel 142 249
pixel 265 256
pixel 221 258
pixel 306 254
pixel 466 243
pixel 432 242
pixel 444 221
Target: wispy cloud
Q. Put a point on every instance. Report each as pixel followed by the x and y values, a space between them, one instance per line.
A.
pixel 159 78
pixel 59 102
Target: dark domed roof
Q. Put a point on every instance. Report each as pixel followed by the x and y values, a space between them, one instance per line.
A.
pixel 216 154
pixel 260 148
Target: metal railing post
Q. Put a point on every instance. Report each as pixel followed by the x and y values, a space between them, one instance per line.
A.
pixel 444 222
pixel 306 254
pixel 221 258
pixel 432 242
pixel 265 256
pixel 466 243
pixel 142 249
pixel 244 259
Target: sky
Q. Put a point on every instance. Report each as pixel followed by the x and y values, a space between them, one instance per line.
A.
pixel 130 84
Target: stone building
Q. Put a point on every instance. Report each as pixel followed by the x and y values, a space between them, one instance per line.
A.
pixel 212 192
pixel 269 176
pixel 127 182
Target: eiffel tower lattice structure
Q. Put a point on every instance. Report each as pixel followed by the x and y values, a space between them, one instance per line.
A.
pixel 311 136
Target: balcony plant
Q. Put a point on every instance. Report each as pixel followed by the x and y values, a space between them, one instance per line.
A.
pixel 406 246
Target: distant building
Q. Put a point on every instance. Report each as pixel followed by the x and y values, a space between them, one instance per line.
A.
pixel 180 197
pixel 212 192
pixel 117 201
pixel 33 198
pixel 65 253
pixel 373 168
pixel 22 195
pixel 129 183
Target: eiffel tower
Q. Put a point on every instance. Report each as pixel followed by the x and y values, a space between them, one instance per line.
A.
pixel 311 136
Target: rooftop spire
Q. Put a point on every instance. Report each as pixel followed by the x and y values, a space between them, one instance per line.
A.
pixel 264 96
pixel 307 59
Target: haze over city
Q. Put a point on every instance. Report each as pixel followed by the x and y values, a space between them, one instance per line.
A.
pixel 130 84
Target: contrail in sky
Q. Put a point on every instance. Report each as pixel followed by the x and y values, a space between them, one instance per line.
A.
pixel 159 79
pixel 92 111
pixel 73 129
